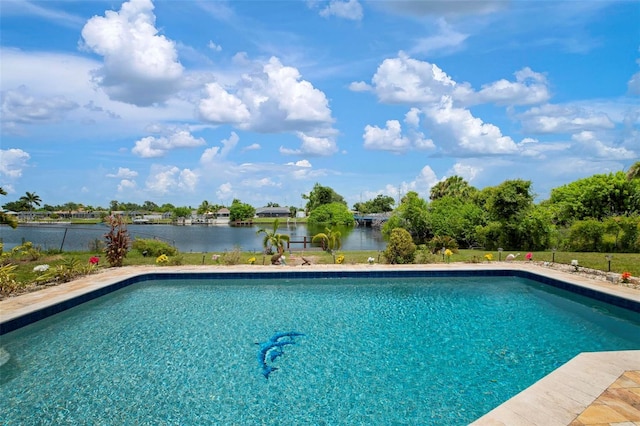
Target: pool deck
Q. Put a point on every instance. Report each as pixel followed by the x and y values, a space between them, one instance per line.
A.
pixel 599 388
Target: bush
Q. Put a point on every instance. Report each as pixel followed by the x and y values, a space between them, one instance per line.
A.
pixel 117 241
pixel 8 282
pixel 401 249
pixel 153 248
pixel 231 257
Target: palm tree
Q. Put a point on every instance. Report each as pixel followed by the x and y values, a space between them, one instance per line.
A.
pixel 634 171
pixel 7 219
pixel 329 239
pixel 30 199
pixel 273 239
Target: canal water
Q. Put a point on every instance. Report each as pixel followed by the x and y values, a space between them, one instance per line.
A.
pixel 190 238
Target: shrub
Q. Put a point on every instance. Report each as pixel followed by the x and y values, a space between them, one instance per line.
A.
pixel 231 257
pixel 153 248
pixel 117 241
pixel 8 282
pixel 66 271
pixel 401 249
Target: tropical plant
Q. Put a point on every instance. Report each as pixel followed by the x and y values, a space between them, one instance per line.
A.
pixel 321 195
pixel 8 282
pixel 454 186
pixel 30 199
pixel 7 219
pixel 329 240
pixel 401 249
pixel 118 241
pixel 332 214
pixel 634 171
pixel 273 239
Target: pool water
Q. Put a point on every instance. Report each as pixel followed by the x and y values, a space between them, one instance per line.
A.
pixel 432 351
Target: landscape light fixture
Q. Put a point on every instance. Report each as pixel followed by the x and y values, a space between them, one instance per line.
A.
pixel 500 254
pixel 609 257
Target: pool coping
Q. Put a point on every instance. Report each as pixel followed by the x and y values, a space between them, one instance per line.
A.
pixel 556 399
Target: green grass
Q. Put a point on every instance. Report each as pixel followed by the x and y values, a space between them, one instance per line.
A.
pixel 621 262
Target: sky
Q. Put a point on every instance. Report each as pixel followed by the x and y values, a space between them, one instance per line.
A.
pixel 185 101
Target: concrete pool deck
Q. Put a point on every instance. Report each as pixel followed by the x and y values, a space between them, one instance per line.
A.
pixel 600 388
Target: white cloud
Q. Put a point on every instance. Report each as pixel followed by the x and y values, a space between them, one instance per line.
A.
pixel 123 173
pixel 140 66
pixel 312 145
pixel 633 85
pixel 225 191
pixel 217 153
pixel 529 88
pixel 350 9
pixel 215 47
pixel 221 106
pixel 465 133
pixel 447 38
pixel 359 86
pixel 274 100
pixel 166 179
pixel 20 107
pixel 12 162
pixel 150 146
pixel 252 147
pixel 407 80
pixel 467 171
pixel 589 142
pixel 126 186
pixel 389 138
pixel 551 118
pixel 301 163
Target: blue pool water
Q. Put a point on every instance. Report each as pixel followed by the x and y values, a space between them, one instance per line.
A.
pixel 431 351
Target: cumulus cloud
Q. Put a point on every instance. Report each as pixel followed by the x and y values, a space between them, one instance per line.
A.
pixel 123 173
pixel 252 147
pixel 465 133
pixel 215 47
pixel 274 100
pixel 350 9
pixel 166 179
pixel 529 88
pixel 407 80
pixel 150 146
pixel 551 118
pixel 141 67
pixel 225 191
pixel 467 171
pixel 13 162
pixel 126 186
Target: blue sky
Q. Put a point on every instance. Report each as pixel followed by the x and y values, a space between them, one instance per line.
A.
pixel 183 101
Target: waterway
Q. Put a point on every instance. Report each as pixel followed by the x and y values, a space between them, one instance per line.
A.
pixel 190 238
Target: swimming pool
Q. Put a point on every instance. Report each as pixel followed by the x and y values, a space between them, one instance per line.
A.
pixel 401 350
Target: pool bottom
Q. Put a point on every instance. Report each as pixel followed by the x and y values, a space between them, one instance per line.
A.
pixel 415 352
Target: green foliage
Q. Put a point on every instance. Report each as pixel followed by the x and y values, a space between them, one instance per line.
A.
pixel 321 195
pixel 8 282
pixel 273 239
pixel 596 197
pixel 456 217
pixel 179 212
pixel 586 235
pixel 330 239
pixel 152 247
pixel 412 215
pixel 332 214
pixel 69 269
pixel 454 187
pixel 117 241
pixel 240 211
pixel 400 249
pixel 380 204
pixel 439 243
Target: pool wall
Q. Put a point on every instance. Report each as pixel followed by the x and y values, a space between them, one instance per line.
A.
pixel 44 312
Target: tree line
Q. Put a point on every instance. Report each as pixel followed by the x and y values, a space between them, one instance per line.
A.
pixel 597 213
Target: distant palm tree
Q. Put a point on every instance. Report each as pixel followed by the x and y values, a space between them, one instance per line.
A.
pixel 7 219
pixel 273 239
pixel 30 199
pixel 634 171
pixel 329 239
